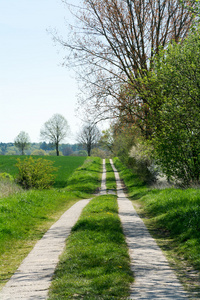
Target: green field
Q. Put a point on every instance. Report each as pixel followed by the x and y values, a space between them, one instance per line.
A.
pixel 65 164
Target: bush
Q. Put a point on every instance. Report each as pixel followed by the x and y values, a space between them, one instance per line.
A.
pixel 6 176
pixel 35 173
pixel 82 153
pixel 39 152
pixel 176 111
pixel 141 162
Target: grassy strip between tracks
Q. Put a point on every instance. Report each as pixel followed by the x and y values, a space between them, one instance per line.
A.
pixel 95 263
pixel 26 216
pixel 173 217
pixel 110 177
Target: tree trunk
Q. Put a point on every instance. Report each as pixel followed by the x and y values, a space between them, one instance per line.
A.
pixel 57 151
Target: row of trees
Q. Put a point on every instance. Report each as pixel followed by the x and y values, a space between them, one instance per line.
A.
pixel 55 130
pixel 44 149
pixel 139 64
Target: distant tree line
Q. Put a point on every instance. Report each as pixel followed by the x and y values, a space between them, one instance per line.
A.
pixel 47 149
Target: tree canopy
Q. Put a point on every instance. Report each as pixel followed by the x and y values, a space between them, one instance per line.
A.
pixel 114 45
pixel 22 141
pixel 55 130
pixel 89 136
pixel 177 124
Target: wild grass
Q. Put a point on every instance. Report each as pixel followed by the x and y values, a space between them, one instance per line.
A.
pixel 95 263
pixel 110 177
pixel 173 218
pixel 26 216
pixel 8 187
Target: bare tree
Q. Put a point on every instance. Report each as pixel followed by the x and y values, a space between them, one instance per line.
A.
pixel 22 141
pixel 115 44
pixel 89 136
pixel 55 130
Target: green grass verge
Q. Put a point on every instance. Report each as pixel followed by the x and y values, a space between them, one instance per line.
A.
pixel 95 263
pixel 173 218
pixel 110 177
pixel 87 178
pixel 26 216
pixel 65 164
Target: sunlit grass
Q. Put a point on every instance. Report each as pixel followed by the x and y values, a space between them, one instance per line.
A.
pixel 110 177
pixel 95 264
pixel 27 215
pixel 87 178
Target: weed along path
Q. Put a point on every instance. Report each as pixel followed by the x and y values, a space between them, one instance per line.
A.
pixel 154 279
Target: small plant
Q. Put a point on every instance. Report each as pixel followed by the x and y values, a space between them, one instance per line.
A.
pixel 6 176
pixel 35 173
pixel 141 161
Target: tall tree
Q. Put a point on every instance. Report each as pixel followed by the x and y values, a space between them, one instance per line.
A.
pixel 116 45
pixel 22 141
pixel 89 136
pixel 55 130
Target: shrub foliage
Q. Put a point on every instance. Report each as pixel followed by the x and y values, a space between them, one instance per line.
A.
pixel 176 135
pixel 35 173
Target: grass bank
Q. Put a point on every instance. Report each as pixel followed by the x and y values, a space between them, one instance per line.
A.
pixel 26 216
pixel 173 218
pixel 95 264
pixel 87 178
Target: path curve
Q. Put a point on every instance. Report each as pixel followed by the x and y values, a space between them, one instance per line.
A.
pixel 154 279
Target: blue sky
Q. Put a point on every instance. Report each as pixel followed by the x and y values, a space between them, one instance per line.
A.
pixel 33 85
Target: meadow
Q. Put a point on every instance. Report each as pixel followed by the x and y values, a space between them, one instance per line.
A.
pixel 65 164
